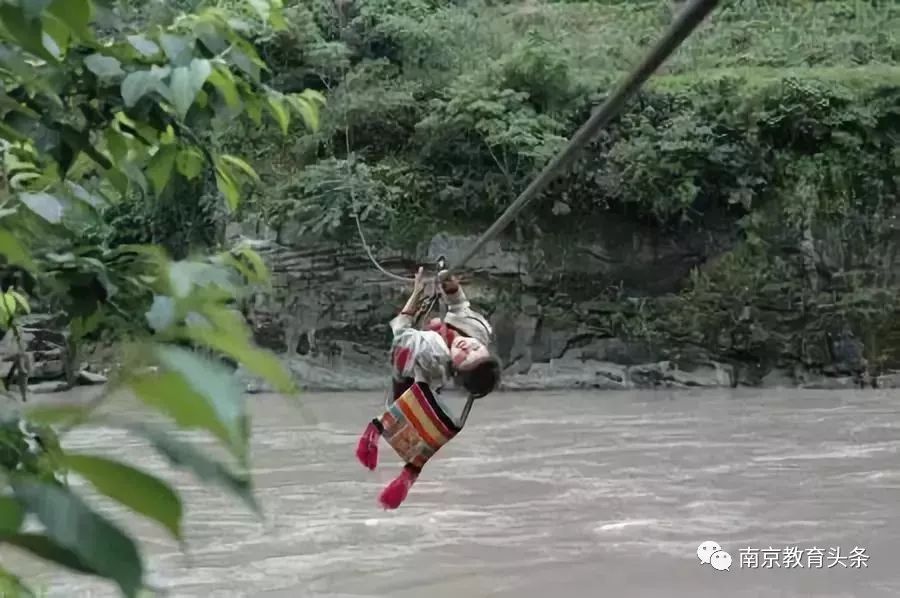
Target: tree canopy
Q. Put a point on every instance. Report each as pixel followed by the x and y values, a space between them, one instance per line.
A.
pixel 95 112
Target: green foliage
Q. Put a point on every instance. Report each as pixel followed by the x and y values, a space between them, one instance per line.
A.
pixel 777 120
pixel 30 448
pixel 476 99
pixel 93 119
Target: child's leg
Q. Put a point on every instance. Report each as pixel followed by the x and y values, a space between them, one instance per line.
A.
pixel 367 447
pixel 395 493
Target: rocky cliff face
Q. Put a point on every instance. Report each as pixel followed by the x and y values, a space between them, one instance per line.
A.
pixel 47 362
pixel 567 310
pixel 549 300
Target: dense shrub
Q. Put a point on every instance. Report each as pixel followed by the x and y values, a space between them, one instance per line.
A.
pixel 781 118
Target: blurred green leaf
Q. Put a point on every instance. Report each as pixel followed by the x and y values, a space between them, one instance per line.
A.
pixel 172 394
pixel 140 83
pixel 12 587
pixel 228 187
pixel 46 206
pixel 216 385
pixel 28 32
pixel 160 168
pixel 187 81
pixel 222 79
pixel 141 492
pixel 105 67
pixel 176 47
pixel 73 525
pixel 260 362
pixel 241 164
pixel 76 14
pixel 307 105
pixel 34 8
pixel 146 46
pixel 14 252
pixel 186 456
pixel 43 547
pixel 190 162
pixel 279 111
pixel 57 35
pixel 162 313
pixel 11 515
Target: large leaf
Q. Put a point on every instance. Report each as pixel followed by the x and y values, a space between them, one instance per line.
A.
pixel 34 8
pixel 14 252
pixel 186 83
pixel 141 492
pixel 307 105
pixel 46 206
pixel 11 515
pixel 216 385
pixel 11 586
pixel 241 164
pixel 45 548
pixel 186 456
pixel 28 32
pixel 249 264
pixel 116 144
pixel 57 35
pixel 71 524
pixel 139 83
pixel 258 361
pixel 222 79
pixel 270 11
pixel 279 111
pixel 244 60
pixel 105 67
pixel 76 14
pixel 160 168
pixel 161 314
pixel 172 394
pixel 189 162
pixel 19 300
pixel 144 45
pixel 228 187
pixel 178 48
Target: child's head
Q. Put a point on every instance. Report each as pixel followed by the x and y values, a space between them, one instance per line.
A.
pixel 471 361
pixel 482 378
pixel 474 367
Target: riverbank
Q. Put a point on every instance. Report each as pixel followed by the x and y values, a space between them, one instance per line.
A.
pixel 340 365
pixel 570 374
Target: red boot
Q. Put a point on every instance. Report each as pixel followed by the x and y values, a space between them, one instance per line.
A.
pixel 395 492
pixel 367 447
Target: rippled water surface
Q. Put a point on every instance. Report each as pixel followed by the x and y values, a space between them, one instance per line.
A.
pixel 546 494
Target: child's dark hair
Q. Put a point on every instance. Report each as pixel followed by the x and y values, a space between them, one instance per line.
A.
pixel 483 379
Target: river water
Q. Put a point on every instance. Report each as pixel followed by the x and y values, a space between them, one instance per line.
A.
pixel 561 494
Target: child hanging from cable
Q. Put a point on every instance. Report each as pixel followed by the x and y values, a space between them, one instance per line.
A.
pixel 417 422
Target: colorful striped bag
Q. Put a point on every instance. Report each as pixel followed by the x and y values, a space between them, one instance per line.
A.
pixel 416 426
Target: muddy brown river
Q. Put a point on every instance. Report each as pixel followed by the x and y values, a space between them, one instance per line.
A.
pixel 566 495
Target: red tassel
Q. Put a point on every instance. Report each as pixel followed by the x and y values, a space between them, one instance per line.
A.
pixel 367 448
pixel 395 492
